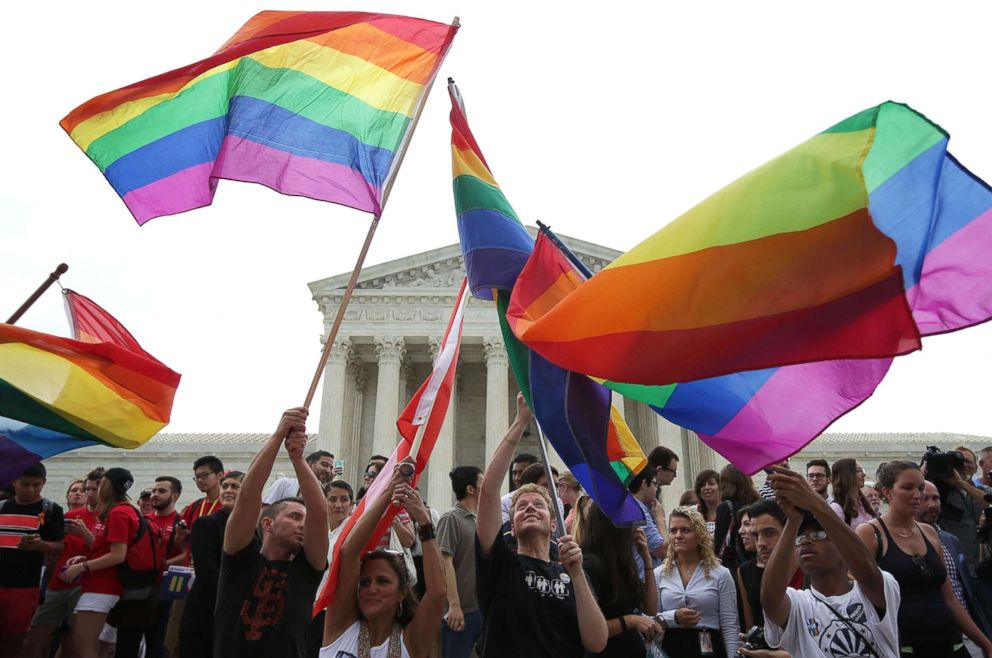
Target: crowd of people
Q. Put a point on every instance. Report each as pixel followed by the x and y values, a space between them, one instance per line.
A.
pixel 817 562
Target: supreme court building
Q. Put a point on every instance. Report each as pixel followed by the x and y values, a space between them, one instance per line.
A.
pixel 387 343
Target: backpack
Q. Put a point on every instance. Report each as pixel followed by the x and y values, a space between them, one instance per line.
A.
pixel 145 559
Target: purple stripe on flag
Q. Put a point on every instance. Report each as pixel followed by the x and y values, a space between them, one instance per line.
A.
pixel 245 160
pixel 801 401
pixel 953 290
pixel 184 190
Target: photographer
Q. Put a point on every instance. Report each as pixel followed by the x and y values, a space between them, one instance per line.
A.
pixel 961 502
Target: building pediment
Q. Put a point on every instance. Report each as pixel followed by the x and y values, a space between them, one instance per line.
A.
pixel 439 269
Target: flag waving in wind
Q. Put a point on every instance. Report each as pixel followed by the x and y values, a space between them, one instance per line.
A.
pixel 315 104
pixel 419 425
pixel 741 320
pixel 573 411
pixel 59 394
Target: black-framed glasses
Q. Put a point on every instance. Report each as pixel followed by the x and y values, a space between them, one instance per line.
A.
pixel 198 477
pixel 921 563
pixel 816 476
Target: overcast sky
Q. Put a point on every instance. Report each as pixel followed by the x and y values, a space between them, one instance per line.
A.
pixel 606 123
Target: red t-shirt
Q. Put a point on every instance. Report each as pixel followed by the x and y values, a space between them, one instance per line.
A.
pixel 74 545
pixel 121 527
pixel 167 525
pixel 193 511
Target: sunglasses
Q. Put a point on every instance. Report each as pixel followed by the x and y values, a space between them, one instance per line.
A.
pixel 811 537
pixel 921 563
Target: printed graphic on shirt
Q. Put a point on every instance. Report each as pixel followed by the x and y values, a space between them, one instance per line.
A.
pixel 544 586
pixel 839 640
pixel 265 604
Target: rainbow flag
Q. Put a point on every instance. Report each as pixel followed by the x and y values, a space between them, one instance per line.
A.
pixel 918 205
pixel 494 242
pixel 573 411
pixel 58 394
pixel 314 104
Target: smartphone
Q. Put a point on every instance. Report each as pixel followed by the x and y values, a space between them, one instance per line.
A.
pixel 338 466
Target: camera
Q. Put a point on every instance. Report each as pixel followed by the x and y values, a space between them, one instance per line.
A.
pixel 941 465
pixel 755 638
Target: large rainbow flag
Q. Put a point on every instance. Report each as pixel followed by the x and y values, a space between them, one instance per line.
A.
pixel 853 244
pixel 315 104
pixel 58 394
pixel 575 412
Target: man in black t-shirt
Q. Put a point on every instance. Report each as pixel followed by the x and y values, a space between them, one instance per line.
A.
pixel 32 528
pixel 531 606
pixel 266 587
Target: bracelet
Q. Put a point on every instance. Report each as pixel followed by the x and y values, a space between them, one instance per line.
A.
pixel 623 623
pixel 427 532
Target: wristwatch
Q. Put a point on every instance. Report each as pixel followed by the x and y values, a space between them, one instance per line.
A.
pixel 427 532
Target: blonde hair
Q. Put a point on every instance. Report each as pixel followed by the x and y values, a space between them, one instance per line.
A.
pixel 704 541
pixel 568 480
pixel 530 489
pixel 578 523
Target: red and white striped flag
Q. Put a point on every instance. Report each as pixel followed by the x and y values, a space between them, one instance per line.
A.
pixel 419 425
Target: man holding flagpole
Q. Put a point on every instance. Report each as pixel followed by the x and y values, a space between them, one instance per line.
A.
pixel 549 605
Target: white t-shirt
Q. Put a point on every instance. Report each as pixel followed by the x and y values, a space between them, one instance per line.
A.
pixel 813 631
pixel 346 646
pixel 282 488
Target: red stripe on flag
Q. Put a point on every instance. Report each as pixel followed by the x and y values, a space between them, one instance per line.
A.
pixel 23 521
pixel 408 431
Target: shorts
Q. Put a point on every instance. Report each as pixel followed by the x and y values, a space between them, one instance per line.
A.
pixel 93 602
pixel 17 606
pixel 58 606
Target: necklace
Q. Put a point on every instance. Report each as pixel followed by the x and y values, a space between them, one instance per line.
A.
pixel 365 644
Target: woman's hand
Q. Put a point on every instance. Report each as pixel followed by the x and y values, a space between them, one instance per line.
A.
pixel 687 617
pixel 71 573
pixel 409 497
pixel 646 626
pixel 641 543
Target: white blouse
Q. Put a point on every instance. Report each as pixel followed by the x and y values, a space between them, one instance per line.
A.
pixel 714 597
pixel 346 646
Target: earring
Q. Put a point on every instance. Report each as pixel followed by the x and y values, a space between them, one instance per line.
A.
pixel 399 609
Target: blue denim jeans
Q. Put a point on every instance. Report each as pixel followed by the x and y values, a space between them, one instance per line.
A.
pixel 458 644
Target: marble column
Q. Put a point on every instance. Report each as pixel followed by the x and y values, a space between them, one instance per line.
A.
pixel 439 493
pixel 670 436
pixel 497 387
pixel 332 398
pixel 389 351
pixel 354 401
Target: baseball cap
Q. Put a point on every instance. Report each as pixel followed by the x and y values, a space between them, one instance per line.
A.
pixel 121 479
pixel 145 493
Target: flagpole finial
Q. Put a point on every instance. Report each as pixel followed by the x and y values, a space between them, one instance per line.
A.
pixel 541 225
pixel 451 80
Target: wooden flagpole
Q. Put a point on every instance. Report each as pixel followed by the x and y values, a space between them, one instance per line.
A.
pixel 333 334
pixel 52 278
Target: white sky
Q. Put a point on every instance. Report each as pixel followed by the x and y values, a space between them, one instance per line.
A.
pixel 605 121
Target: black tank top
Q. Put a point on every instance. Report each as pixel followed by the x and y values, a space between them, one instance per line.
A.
pixel 923 614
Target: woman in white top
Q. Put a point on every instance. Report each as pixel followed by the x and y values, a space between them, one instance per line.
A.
pixel 846 480
pixel 695 592
pixel 384 618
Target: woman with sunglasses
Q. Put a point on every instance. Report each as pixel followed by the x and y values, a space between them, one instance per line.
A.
pixel 374 613
pixel 930 617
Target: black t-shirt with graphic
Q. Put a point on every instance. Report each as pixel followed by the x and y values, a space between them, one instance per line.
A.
pixel 21 568
pixel 528 606
pixel 263 608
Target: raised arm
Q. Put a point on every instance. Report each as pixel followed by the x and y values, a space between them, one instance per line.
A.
pixel 422 633
pixel 858 559
pixel 343 609
pixel 489 518
pixel 315 523
pixel 244 518
pixel 649 596
pixel 780 568
pixel 592 625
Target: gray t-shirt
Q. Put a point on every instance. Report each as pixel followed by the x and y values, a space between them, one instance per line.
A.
pixel 456 537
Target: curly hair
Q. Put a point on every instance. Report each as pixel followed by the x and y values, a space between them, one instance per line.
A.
pixel 707 556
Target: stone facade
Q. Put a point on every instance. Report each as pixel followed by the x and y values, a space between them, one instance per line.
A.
pixel 387 343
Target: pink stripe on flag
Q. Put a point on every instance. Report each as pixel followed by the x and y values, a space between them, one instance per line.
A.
pixel 803 400
pixel 245 160
pixel 185 190
pixel 953 289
